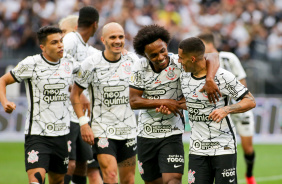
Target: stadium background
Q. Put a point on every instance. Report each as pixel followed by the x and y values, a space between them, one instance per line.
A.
pixel 252 29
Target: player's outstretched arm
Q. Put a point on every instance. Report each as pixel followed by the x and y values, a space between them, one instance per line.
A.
pixel 85 130
pixel 210 86
pixel 247 103
pixel 138 102
pixel 4 81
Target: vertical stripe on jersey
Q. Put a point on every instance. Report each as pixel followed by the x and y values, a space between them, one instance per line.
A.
pixel 31 105
pixel 91 96
pixel 229 125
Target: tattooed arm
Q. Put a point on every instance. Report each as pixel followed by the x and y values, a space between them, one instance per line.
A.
pixel 247 103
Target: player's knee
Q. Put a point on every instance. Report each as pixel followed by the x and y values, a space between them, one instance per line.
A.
pixel 71 165
pixel 110 174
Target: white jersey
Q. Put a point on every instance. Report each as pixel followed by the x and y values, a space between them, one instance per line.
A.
pixel 209 137
pixel 75 46
pixel 231 63
pixel 163 85
pixel 108 86
pixel 47 90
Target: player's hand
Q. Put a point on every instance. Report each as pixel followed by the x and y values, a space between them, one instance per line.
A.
pixel 85 104
pixel 9 107
pixel 164 110
pixel 124 51
pixel 87 134
pixel 212 90
pixel 218 114
pixel 173 106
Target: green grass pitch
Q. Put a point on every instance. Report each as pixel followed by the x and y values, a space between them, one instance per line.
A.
pixel 268 167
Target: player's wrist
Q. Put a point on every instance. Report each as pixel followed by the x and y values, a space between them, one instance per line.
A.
pixel 83 120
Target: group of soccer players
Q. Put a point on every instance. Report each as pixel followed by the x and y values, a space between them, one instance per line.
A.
pixel 71 84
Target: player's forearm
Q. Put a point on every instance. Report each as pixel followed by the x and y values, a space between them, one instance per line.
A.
pixel 212 65
pixel 3 98
pixel 143 103
pixel 247 103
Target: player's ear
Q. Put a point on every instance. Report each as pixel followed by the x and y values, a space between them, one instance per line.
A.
pixel 42 47
pixel 193 59
pixel 102 39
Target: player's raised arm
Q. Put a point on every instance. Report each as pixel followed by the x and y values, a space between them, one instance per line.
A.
pixel 4 81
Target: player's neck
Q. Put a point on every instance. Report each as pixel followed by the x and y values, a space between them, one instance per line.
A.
pixel 111 56
pixel 85 34
pixel 200 70
pixel 49 59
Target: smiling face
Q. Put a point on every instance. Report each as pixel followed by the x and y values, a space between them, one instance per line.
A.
pixel 113 38
pixel 186 61
pixel 53 48
pixel 157 53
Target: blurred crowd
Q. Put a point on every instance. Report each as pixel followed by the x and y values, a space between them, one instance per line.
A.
pixel 252 29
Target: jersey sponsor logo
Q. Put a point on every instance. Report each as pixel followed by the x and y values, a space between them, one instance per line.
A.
pixel 205 145
pixel 191 177
pixel 112 96
pixel 195 116
pixel 50 127
pixel 171 75
pixel 103 142
pixel 157 128
pixel 127 68
pixel 131 142
pixel 194 94
pixel 175 158
pixel 119 131
pixel 140 168
pixel 20 69
pixel 155 94
pixel 52 93
pixel 229 172
pixel 32 156
pixel 231 89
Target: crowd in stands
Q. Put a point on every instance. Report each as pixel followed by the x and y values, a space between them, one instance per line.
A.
pixel 252 29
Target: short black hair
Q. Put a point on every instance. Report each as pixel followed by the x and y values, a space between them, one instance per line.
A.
pixel 149 34
pixel 207 37
pixel 45 31
pixel 87 16
pixel 192 45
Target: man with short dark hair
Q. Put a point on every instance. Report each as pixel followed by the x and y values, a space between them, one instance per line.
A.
pixel 80 152
pixel 213 149
pixel 155 82
pixel 244 122
pixel 47 78
pixel 106 75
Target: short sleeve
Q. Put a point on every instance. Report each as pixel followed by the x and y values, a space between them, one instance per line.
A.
pixel 137 75
pixel 84 74
pixel 23 70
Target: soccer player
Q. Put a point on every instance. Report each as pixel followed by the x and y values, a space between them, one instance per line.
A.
pixel 212 153
pixel 106 75
pixel 76 45
pixel 244 122
pixel 47 78
pixel 68 24
pixel 155 82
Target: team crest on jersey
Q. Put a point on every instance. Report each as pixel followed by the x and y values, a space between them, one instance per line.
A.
pixel 191 177
pixel 32 156
pixel 69 146
pixel 140 168
pixel 127 68
pixel 103 142
pixel 195 94
pixel 171 75
pixel 67 68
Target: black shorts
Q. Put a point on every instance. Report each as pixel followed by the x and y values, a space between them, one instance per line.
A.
pixel 50 153
pixel 79 150
pixel 207 169
pixel 160 155
pixel 93 163
pixel 120 149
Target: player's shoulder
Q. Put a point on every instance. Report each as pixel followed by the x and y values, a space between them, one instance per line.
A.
pixel 30 60
pixel 70 36
pixel 174 59
pixel 131 55
pixel 224 73
pixel 229 55
pixel 68 58
pixel 91 50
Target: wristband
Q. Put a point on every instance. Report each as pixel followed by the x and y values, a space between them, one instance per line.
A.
pixel 83 120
